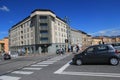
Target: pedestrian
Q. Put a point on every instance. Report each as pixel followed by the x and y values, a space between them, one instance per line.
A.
pixel 77 48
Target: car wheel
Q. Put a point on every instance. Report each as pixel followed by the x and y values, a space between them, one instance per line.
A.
pixel 114 61
pixel 79 62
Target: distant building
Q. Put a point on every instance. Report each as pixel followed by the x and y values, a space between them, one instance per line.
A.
pixel 40 32
pixel 115 39
pixel 96 40
pixel 80 38
pixel 105 40
pixel 4 47
pixel 86 40
pixel 76 37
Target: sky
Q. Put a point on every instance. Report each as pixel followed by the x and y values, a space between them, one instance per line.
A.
pixel 95 17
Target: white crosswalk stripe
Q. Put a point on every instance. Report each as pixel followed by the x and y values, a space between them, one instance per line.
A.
pixel 22 72
pixel 32 68
pixel 44 63
pixel 49 61
pixel 9 78
pixel 39 65
pixel 27 70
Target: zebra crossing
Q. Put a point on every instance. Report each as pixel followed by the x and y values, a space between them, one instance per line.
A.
pixel 32 68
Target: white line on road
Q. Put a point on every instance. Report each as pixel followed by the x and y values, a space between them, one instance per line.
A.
pixel 62 68
pixel 32 68
pixel 49 61
pixel 22 72
pixel 92 74
pixel 44 63
pixel 9 78
pixel 39 65
pixel 61 71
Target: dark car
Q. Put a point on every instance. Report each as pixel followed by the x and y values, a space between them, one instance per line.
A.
pixel 104 53
pixel 6 56
pixel 60 51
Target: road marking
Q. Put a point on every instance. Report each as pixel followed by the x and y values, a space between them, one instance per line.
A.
pixel 45 63
pixel 61 71
pixel 9 78
pixel 49 61
pixel 39 65
pixel 92 74
pixel 22 72
pixel 62 68
pixel 32 68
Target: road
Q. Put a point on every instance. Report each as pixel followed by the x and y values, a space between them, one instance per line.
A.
pixel 59 68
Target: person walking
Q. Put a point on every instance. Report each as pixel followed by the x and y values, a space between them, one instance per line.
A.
pixel 77 48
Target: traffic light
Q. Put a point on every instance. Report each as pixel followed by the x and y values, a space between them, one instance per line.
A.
pixel 66 40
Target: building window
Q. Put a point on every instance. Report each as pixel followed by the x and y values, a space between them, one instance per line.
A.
pixel 27 35
pixel 21 37
pixel 22 42
pixel 43 24
pixel 45 38
pixel 43 31
pixel 43 17
pixel 24 30
pixel 27 29
pixel 21 26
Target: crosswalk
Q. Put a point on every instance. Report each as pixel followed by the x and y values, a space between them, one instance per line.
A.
pixel 31 69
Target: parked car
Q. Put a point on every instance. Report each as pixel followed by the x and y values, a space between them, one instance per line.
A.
pixel 60 51
pixel 6 56
pixel 104 53
pixel 116 46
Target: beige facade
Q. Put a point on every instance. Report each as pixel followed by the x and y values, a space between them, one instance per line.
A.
pixel 76 37
pixel 86 40
pixel 117 39
pixel 80 38
pixel 4 47
pixel 105 40
pixel 96 41
pixel 42 31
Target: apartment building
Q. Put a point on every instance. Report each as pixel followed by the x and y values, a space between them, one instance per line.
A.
pixel 4 45
pixel 76 37
pixel 105 40
pixel 42 31
pixel 96 40
pixel 115 39
pixel 80 38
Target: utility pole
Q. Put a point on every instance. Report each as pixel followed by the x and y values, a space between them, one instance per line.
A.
pixel 101 37
pixel 68 40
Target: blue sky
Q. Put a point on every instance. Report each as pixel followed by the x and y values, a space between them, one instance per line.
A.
pixel 95 17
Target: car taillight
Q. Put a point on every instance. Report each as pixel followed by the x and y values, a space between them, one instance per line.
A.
pixel 116 51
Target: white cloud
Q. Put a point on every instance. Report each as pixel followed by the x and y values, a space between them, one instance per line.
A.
pixel 4 8
pixel 108 32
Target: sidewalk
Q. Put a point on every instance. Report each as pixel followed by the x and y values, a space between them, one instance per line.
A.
pixel 31 57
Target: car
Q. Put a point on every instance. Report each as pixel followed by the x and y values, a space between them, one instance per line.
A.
pixel 116 46
pixel 6 56
pixel 60 51
pixel 104 53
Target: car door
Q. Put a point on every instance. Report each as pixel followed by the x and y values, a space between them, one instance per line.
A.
pixel 89 55
pixel 102 53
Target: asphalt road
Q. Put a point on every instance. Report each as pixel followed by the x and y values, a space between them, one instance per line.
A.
pixel 59 68
pixel 7 66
